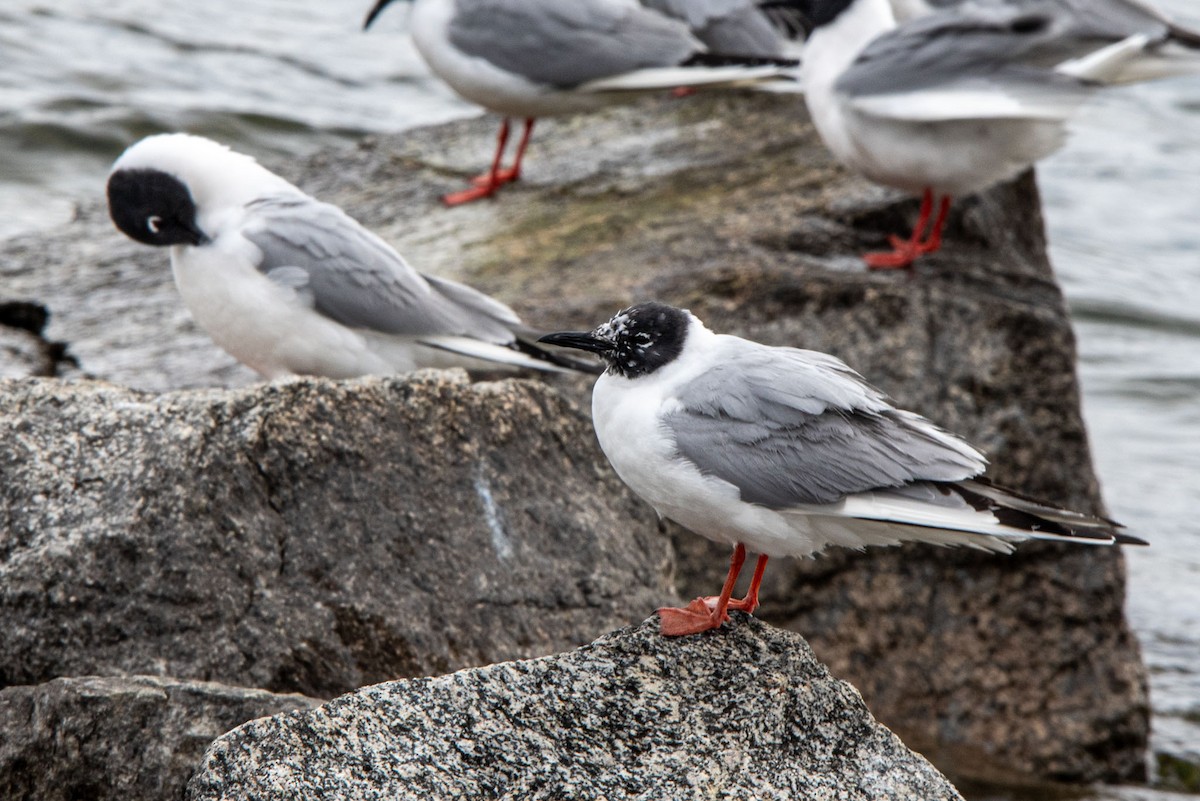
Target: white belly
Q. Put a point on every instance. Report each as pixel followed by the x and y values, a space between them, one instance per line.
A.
pixel 957 157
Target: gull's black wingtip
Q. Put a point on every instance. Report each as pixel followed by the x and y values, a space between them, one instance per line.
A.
pixel 1121 538
pixel 375 12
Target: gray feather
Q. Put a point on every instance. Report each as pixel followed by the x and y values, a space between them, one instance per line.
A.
pixel 726 27
pixel 789 427
pixel 1016 44
pixel 352 276
pixel 565 44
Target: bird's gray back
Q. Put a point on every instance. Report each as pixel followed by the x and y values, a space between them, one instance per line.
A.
pixel 726 27
pixel 1013 42
pixel 790 427
pixel 354 277
pixel 565 44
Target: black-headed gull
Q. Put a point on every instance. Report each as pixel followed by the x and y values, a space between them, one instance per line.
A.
pixel 956 100
pixel 785 452
pixel 287 284
pixel 537 58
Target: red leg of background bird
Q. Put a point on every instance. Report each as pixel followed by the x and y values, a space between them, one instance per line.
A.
pixel 905 251
pixel 514 173
pixel 487 184
pixel 699 615
pixel 922 223
pixel 749 603
pixel 934 242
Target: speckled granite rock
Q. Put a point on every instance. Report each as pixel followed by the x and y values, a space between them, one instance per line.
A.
pixel 137 738
pixel 746 712
pixel 309 536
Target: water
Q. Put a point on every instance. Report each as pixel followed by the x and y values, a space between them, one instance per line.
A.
pixel 80 79
pixel 1122 207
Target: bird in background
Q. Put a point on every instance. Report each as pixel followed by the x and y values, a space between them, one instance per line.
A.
pixel 290 285
pixel 527 59
pixel 965 96
pixel 785 452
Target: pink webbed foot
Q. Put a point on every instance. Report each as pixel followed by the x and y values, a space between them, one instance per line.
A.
pixel 694 618
pixel 477 192
pixel 906 251
pixel 503 177
pixel 901 258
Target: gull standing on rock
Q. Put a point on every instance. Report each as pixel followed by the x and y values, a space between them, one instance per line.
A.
pixel 539 58
pixel 290 285
pixel 957 100
pixel 785 452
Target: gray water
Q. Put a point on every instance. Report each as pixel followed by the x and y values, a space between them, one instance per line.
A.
pixel 81 79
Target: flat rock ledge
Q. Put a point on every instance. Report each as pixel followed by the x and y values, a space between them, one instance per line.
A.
pixel 744 712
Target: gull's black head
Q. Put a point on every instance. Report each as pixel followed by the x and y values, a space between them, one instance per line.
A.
pixel 796 17
pixel 636 341
pixel 153 207
pixel 375 12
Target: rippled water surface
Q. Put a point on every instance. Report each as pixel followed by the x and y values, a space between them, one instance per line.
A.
pixel 80 79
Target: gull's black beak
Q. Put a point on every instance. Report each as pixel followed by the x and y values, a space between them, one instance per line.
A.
pixel 375 12
pixel 580 340
pixel 198 236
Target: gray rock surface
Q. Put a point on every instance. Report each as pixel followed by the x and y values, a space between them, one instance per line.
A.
pixel 729 205
pixel 309 536
pixel 135 738
pixel 746 712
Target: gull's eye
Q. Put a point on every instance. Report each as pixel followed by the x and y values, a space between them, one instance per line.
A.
pixel 154 223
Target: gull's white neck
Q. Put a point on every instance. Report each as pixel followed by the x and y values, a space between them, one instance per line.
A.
pixel 834 46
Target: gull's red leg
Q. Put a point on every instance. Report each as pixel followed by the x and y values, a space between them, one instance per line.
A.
pixel 486 184
pixel 699 615
pixel 922 223
pixel 934 242
pixel 750 602
pixel 905 251
pixel 513 173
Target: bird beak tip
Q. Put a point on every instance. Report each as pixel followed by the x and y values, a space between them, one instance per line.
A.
pixel 579 340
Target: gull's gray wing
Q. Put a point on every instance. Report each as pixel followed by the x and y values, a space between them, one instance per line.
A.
pixel 790 427
pixel 565 43
pixel 726 27
pixel 352 276
pixel 987 59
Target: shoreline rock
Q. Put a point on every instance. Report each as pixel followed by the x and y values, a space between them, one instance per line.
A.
pixel 309 536
pixel 745 712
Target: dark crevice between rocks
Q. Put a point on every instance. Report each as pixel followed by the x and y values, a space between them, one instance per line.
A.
pixel 31 318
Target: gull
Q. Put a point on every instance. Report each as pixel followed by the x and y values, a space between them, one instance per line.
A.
pixel 785 452
pixel 731 27
pixel 536 58
pixel 290 285
pixel 970 95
